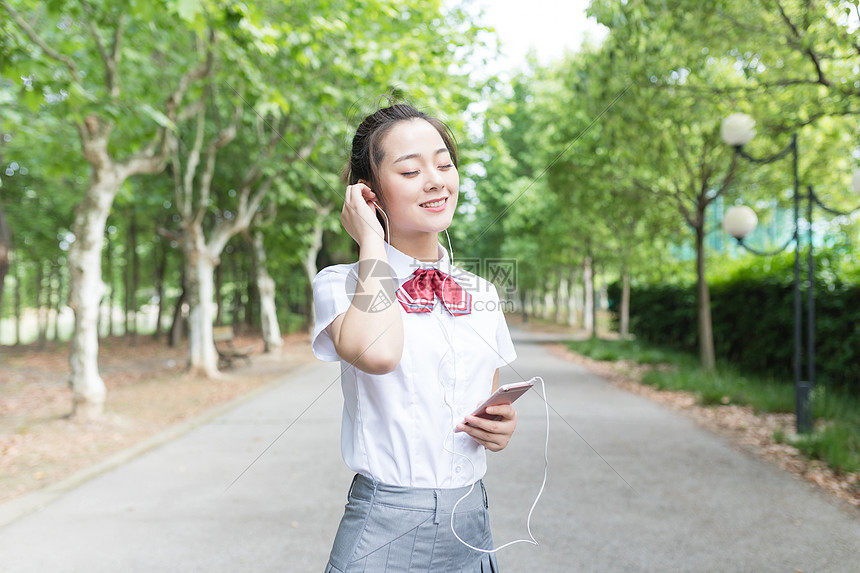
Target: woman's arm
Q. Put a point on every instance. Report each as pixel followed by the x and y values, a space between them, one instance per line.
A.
pixel 368 337
pixel 492 435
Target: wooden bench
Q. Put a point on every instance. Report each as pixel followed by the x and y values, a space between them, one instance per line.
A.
pixel 227 352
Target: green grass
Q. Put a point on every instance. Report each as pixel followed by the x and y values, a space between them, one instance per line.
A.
pixel 836 440
pixel 613 350
pixel 725 386
pixel 837 444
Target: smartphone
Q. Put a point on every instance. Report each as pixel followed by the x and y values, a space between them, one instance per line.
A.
pixel 503 395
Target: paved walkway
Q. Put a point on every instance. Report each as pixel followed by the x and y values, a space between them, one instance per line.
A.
pixel 693 503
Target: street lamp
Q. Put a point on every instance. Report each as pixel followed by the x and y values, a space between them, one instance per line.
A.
pixel 739 221
pixel 737 130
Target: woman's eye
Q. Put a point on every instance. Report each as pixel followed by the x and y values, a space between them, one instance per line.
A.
pixel 410 173
pixel 447 166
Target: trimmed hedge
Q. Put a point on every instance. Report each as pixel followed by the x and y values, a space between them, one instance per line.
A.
pixel 753 321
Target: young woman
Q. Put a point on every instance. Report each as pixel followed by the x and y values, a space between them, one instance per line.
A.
pixel 420 343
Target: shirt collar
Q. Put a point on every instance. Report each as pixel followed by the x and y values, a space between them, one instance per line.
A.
pixel 403 265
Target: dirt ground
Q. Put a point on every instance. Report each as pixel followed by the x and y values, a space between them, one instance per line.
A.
pixel 148 391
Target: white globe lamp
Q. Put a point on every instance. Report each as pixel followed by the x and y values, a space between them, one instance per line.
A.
pixel 737 129
pixel 739 221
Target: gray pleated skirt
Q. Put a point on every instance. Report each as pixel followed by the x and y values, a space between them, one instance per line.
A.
pixel 390 529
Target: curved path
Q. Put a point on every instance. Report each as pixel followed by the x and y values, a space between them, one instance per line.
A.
pixel 632 487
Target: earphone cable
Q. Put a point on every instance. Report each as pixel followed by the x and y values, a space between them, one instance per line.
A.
pixel 451 408
pixel 531 539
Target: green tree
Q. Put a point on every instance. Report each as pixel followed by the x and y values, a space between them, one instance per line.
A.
pixel 78 54
pixel 692 64
pixel 804 51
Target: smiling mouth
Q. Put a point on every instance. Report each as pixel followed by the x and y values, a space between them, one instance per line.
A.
pixel 434 204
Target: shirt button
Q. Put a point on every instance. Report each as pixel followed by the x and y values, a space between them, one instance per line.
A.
pixel 458 469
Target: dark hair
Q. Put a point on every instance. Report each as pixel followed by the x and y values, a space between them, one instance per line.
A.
pixel 367 152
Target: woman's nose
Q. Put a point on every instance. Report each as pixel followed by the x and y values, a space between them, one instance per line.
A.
pixel 435 181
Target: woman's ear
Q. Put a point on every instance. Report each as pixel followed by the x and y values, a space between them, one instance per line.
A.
pixel 381 216
pixel 379 198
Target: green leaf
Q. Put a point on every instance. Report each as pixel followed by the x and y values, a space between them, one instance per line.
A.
pixel 157 116
pixel 33 100
pixel 188 9
pixel 78 94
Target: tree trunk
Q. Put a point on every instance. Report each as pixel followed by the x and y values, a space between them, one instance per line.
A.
pixel 310 260
pixel 54 293
pixel 625 305
pixel 595 300
pixel 252 309
pixel 160 272
pixel 266 285
pixel 62 299
pixel 112 327
pixel 2 330
pixel 548 302
pixel 42 305
pixel 236 299
pixel 588 317
pixel 5 252
pixel 572 300
pixel 134 280
pixel 219 294
pixel 524 302
pixel 18 316
pixel 561 306
pixel 176 326
pixel 200 273
pixel 125 279
pixel 103 323
pixel 86 290
pixel 706 332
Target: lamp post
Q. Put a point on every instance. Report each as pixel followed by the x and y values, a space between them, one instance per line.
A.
pixel 739 221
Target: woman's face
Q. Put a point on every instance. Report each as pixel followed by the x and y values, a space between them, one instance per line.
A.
pixel 418 180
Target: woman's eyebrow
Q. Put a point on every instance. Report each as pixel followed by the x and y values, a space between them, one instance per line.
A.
pixel 414 155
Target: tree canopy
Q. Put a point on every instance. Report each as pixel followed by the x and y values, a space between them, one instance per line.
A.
pixel 138 139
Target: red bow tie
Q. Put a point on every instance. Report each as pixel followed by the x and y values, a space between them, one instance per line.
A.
pixel 417 294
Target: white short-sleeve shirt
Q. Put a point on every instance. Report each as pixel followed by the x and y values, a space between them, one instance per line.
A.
pixel 398 427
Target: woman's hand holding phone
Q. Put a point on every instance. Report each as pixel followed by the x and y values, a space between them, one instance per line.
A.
pixel 492 434
pixel 493 422
pixel 358 216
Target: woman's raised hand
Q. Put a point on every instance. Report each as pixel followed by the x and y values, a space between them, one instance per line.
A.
pixel 358 216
